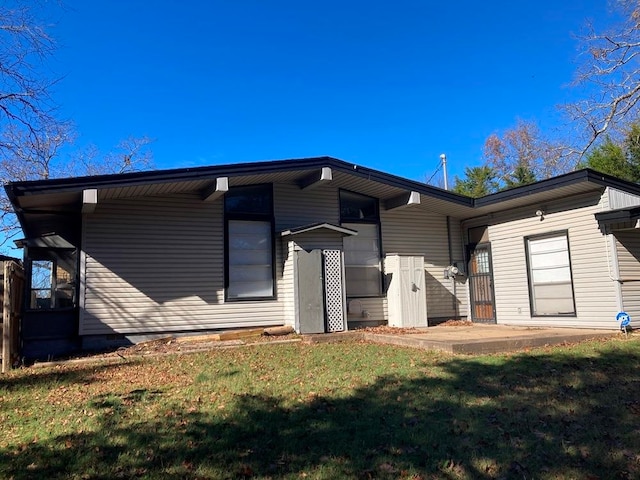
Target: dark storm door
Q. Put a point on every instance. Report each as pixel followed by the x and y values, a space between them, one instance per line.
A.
pixel 481 284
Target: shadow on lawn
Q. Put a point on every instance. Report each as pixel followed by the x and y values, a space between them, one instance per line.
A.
pixel 39 378
pixel 530 416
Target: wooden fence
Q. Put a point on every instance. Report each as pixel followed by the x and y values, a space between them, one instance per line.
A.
pixel 12 291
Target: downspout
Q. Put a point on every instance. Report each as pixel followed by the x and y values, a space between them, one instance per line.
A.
pixel 612 259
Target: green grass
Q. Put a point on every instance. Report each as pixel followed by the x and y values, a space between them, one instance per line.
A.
pixel 351 410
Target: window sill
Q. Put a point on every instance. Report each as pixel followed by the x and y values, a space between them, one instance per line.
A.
pixel 250 299
pixel 355 297
pixel 61 309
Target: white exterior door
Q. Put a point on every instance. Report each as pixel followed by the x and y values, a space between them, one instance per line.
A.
pixel 407 294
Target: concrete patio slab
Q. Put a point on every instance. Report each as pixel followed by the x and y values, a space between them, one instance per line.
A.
pixel 473 339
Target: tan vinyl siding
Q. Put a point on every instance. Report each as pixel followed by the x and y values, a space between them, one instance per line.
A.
pixel 604 199
pixel 295 207
pixel 628 249
pixel 156 264
pixel 373 309
pixel 459 286
pixel 619 199
pixel 416 230
pixel 595 293
pixel 411 230
pixel 287 287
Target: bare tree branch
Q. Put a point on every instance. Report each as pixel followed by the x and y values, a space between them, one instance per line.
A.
pixel 24 82
pixel 130 155
pixel 610 76
pixel 522 154
pixel 31 134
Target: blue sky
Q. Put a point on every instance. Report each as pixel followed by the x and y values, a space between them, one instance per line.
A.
pixel 388 85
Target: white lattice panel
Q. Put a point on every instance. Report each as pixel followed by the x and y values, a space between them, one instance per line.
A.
pixel 333 290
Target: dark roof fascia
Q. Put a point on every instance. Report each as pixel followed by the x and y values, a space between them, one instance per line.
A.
pixel 35 187
pixel 618 215
pixel 567 179
pixel 162 176
pixel 12 199
pixel 406 184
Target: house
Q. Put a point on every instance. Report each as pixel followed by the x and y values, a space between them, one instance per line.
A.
pixel 319 244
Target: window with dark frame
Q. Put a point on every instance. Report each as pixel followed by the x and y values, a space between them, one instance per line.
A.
pixel 53 279
pixel 550 276
pixel 250 262
pixel 362 252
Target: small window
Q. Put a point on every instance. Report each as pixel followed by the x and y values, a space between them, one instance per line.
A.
pixel 53 282
pixel 550 279
pixel 250 200
pixel 356 207
pixel 42 284
pixel 249 240
pixel 362 252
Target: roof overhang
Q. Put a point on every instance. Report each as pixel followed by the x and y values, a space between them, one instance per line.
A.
pixel 48 201
pixel 56 205
pixel 570 184
pixel 621 219
pixel 45 241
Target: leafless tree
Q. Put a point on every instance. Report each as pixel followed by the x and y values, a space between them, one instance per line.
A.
pixel 31 133
pixel 521 155
pixel 26 108
pixel 37 158
pixel 609 76
pixel 130 155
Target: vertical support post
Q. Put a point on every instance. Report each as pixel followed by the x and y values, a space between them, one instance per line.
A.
pixel 7 333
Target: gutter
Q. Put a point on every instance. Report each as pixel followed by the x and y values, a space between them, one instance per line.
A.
pixel 240 169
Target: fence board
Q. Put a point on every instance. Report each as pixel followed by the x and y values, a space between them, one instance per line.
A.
pixel 12 293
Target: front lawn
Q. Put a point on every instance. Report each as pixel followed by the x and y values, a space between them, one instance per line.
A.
pixel 351 410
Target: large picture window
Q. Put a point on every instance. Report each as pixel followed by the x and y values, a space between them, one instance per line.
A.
pixel 550 279
pixel 249 242
pixel 362 252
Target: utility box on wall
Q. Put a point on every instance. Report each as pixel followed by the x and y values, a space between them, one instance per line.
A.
pixel 406 295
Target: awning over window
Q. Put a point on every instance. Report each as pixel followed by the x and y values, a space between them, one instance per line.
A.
pixel 318 226
pixel 45 241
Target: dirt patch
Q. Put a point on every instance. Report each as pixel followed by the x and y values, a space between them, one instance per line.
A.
pixel 167 346
pixel 179 345
pixel 456 323
pixel 384 329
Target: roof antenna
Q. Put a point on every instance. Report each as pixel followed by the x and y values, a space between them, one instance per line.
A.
pixel 443 158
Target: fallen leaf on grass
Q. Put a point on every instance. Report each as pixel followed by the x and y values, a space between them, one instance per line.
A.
pixel 387 468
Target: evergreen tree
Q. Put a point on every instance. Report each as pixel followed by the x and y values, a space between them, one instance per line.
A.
pixel 621 160
pixel 477 182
